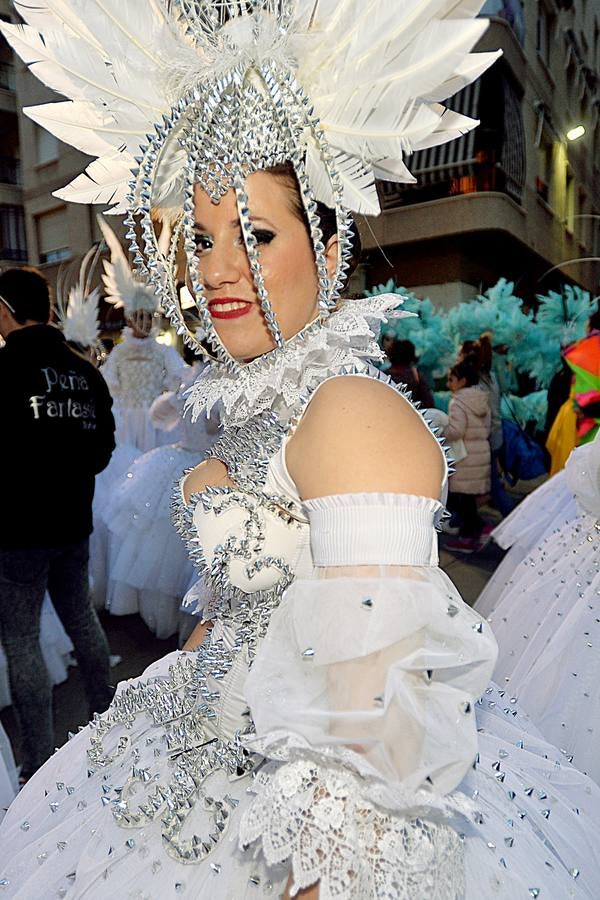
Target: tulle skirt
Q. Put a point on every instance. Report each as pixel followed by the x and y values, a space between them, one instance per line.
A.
pixel 534 823
pixel 134 426
pixel 547 624
pixel 150 571
pixel 106 484
pixel 542 512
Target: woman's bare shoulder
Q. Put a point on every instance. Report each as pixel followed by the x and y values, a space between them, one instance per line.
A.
pixel 359 434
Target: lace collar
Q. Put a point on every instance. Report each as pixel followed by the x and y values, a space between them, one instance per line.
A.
pixel 277 380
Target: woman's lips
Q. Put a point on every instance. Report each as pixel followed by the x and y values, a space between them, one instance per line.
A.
pixel 229 308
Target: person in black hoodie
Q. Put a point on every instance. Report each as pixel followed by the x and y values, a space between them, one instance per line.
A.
pixel 57 434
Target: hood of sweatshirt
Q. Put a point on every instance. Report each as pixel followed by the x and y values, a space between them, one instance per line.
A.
pixel 474 399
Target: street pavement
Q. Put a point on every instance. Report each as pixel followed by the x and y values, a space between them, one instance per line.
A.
pixel 136 645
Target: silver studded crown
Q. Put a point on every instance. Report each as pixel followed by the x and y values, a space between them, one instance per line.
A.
pixel 252 118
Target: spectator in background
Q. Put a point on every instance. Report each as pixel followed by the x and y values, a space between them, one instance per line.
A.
pixel 469 421
pixel 480 353
pixel 58 434
pixel 403 370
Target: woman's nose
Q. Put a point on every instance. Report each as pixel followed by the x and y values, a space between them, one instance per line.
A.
pixel 219 267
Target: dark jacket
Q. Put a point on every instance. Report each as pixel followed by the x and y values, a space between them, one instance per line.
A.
pixel 57 434
pixel 414 381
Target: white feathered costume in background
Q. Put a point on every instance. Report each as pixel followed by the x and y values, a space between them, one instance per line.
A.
pixel 139 369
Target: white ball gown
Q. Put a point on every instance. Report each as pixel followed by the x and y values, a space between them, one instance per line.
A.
pixel 218 772
pixel 137 371
pixel 149 569
pixel 547 623
pixel 120 463
pixel 545 510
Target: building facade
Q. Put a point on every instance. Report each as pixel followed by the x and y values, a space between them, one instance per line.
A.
pixel 515 197
pixel 35 227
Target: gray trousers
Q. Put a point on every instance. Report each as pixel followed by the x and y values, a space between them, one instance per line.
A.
pixel 25 575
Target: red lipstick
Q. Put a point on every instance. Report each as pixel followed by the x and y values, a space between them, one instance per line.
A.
pixel 229 307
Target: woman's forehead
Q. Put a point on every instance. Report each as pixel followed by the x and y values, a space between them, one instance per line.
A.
pixel 268 196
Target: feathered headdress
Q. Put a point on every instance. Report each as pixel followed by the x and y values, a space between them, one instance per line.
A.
pixel 170 94
pixel 121 286
pixel 77 306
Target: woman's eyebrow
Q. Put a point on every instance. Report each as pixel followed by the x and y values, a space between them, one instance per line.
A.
pixel 235 223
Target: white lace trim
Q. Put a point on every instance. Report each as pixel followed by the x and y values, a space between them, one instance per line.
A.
pixel 279 379
pixel 317 818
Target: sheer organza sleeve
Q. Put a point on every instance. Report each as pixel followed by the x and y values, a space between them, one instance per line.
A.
pixel 363 699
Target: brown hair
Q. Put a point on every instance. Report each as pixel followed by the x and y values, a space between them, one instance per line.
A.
pixel 327 217
pixel 468 370
pixel 479 353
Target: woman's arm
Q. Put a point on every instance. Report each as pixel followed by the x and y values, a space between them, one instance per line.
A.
pixel 457 424
pixel 363 689
pixel 360 435
pixel 197 636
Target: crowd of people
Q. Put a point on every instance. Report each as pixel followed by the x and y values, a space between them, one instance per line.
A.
pixel 331 727
pixel 483 442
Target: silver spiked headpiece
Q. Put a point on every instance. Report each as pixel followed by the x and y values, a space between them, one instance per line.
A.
pixel 341 89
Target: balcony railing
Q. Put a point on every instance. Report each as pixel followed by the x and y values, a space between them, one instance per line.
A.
pixel 475 176
pixel 7 76
pixel 13 254
pixel 10 170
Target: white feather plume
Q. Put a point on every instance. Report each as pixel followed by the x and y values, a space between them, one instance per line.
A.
pixel 122 288
pixel 77 307
pixel 375 72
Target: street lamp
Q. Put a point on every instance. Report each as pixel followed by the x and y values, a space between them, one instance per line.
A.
pixel 576 132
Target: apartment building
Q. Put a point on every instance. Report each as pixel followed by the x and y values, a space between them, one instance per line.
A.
pixel 35 227
pixel 520 195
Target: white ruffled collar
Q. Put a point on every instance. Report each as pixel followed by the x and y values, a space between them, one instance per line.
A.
pixel 277 380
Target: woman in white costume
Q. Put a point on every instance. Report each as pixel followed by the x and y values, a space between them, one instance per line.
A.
pixel 540 514
pixel 547 623
pixel 138 369
pixel 321 734
pixel 150 570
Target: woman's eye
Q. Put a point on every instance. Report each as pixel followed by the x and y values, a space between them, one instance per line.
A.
pixel 203 243
pixel 263 236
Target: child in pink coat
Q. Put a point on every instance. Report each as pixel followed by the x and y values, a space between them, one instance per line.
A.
pixel 470 421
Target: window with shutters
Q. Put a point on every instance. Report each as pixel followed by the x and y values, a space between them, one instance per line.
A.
pixel 53 236
pixel 46 147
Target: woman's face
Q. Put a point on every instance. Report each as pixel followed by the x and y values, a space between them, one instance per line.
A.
pixel 286 257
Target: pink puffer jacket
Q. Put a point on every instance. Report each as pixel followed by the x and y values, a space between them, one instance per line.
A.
pixel 470 420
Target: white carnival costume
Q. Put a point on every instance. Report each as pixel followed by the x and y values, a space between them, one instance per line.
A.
pixel 223 772
pixel 138 369
pixel 546 622
pixel 540 514
pixel 150 571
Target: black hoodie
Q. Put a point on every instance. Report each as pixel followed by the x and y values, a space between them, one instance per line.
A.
pixel 57 433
